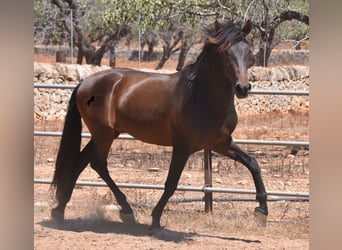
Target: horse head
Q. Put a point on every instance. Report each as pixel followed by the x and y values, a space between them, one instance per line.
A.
pixel 235 54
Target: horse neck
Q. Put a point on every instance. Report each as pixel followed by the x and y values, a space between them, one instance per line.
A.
pixel 213 85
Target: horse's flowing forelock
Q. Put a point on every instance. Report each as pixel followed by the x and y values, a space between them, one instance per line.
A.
pixel 217 40
pixel 227 35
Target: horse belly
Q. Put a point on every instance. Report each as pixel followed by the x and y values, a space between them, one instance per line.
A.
pixel 155 133
pixel 146 121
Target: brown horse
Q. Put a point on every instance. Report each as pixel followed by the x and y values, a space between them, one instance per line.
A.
pixel 189 110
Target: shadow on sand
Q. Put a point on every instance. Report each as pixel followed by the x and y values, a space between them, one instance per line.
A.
pixel 103 226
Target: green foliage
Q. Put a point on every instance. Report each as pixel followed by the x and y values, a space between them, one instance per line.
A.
pixel 104 16
pixel 294 30
pixel 47 23
pixel 261 12
pixel 100 18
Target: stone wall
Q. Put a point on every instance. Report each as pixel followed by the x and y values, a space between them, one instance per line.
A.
pixel 52 103
pixel 276 78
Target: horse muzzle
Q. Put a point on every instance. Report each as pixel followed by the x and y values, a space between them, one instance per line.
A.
pixel 241 90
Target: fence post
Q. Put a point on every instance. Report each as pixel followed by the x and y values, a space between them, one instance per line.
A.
pixel 208 196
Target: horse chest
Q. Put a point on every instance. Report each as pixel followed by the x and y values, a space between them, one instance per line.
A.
pixel 224 122
pixel 207 132
pixel 229 124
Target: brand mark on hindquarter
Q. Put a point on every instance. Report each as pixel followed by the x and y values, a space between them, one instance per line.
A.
pixel 95 101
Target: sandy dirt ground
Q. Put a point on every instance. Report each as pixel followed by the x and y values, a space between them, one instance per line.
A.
pixel 92 220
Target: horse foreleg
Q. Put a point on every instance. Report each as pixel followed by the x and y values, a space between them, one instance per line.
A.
pixel 57 213
pixel 230 149
pixel 178 161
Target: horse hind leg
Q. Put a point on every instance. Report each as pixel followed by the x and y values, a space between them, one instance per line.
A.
pixel 99 164
pixel 126 212
pixel 57 213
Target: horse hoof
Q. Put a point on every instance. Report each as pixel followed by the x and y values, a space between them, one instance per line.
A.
pixel 57 217
pixel 260 217
pixel 128 219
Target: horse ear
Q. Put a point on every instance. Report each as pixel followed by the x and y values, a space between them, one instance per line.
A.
pixel 248 27
pixel 217 26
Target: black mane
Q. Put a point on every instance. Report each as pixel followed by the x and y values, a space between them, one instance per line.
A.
pixel 228 34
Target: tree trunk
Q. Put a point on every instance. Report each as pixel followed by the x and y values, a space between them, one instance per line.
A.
pixel 79 55
pixel 112 58
pixel 162 62
pixel 166 54
pixel 61 56
pixel 91 55
pixel 267 32
pixel 182 55
pixel 88 55
pixel 149 54
pixel 169 49
pixel 261 58
pixel 98 55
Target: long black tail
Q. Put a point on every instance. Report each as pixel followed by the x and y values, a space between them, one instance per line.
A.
pixel 69 149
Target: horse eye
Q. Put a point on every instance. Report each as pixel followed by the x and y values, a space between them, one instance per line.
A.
pixel 228 53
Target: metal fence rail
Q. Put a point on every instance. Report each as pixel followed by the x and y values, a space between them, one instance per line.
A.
pixel 254 92
pixel 239 141
pixel 207 189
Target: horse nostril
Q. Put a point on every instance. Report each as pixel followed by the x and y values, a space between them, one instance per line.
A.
pixel 242 89
pixel 238 88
